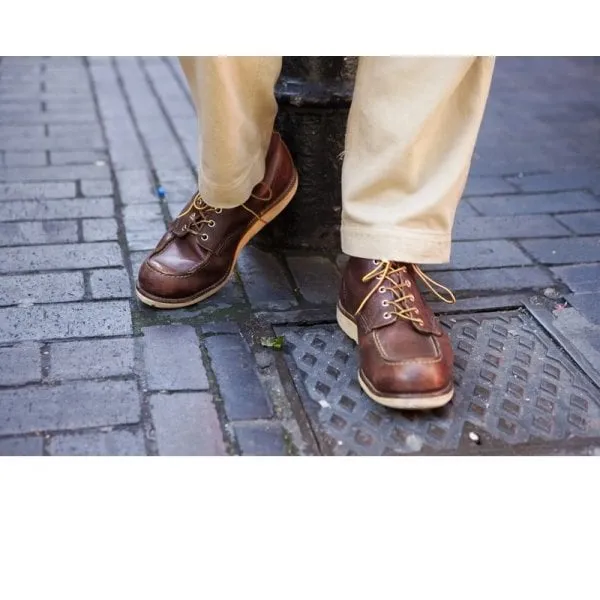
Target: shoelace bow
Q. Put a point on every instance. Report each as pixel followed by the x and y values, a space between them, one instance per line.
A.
pixel 198 211
pixel 383 272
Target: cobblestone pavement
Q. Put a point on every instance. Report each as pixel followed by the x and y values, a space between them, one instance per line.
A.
pixel 84 369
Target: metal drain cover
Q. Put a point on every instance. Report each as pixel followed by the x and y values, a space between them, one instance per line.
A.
pixel 514 386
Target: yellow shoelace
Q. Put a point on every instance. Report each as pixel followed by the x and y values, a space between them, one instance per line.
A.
pixel 383 272
pixel 199 218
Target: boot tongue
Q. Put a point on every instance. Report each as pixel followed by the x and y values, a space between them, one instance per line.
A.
pixel 180 226
pixel 377 313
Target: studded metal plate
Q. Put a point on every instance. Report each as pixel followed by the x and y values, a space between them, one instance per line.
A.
pixel 514 387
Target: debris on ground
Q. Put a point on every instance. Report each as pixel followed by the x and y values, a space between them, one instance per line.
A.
pixel 273 342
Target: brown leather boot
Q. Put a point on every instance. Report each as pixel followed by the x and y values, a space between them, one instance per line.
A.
pixel 405 356
pixel 196 256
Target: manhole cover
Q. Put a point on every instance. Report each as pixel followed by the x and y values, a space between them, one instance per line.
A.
pixel 514 386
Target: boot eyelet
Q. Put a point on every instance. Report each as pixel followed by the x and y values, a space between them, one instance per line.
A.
pixel 204 237
pixel 376 262
pixel 218 210
pixel 408 284
pixel 385 303
pixel 387 315
pixel 382 290
pixel 193 216
pixel 211 223
pixel 411 298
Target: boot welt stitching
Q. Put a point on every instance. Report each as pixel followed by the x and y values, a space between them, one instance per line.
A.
pixel 415 361
pixel 193 296
pixel 175 276
pixel 415 395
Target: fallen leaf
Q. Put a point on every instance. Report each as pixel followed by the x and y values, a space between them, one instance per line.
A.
pixel 273 342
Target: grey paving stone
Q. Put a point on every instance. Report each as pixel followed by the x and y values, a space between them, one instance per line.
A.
pixel 186 424
pixel 144 225
pixel 261 439
pixel 44 117
pixel 179 187
pixel 173 359
pixel 77 157
pixel 98 443
pixel 234 368
pixel 504 279
pixel 58 130
pixel 264 280
pixel 126 151
pixel 21 130
pixel 186 129
pixel 110 283
pixel 136 187
pixel 505 227
pixel 21 104
pixel 38 232
pixel 70 320
pixel 100 187
pixel 72 405
pixel 80 142
pixel 136 259
pixel 584 223
pixel 20 364
pixel 587 304
pixel 25 159
pixel 54 173
pixel 96 230
pixel 41 210
pixel 41 288
pixel 486 186
pixel 316 277
pixel 536 204
pixel 174 98
pixel 220 327
pixel 89 359
pixel 580 278
pixel 22 446
pixel 181 183
pixel 65 88
pixel 37 191
pixel 483 255
pixel 61 256
pixel 159 139
pixel 111 101
pixel 100 60
pixel 564 250
pixel 562 180
pixel 465 210
pixel 20 113
pixel 19 98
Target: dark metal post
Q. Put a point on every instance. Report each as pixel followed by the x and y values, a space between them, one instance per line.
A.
pixel 314 95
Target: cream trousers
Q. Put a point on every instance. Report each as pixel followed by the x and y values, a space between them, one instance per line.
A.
pixel 410 137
